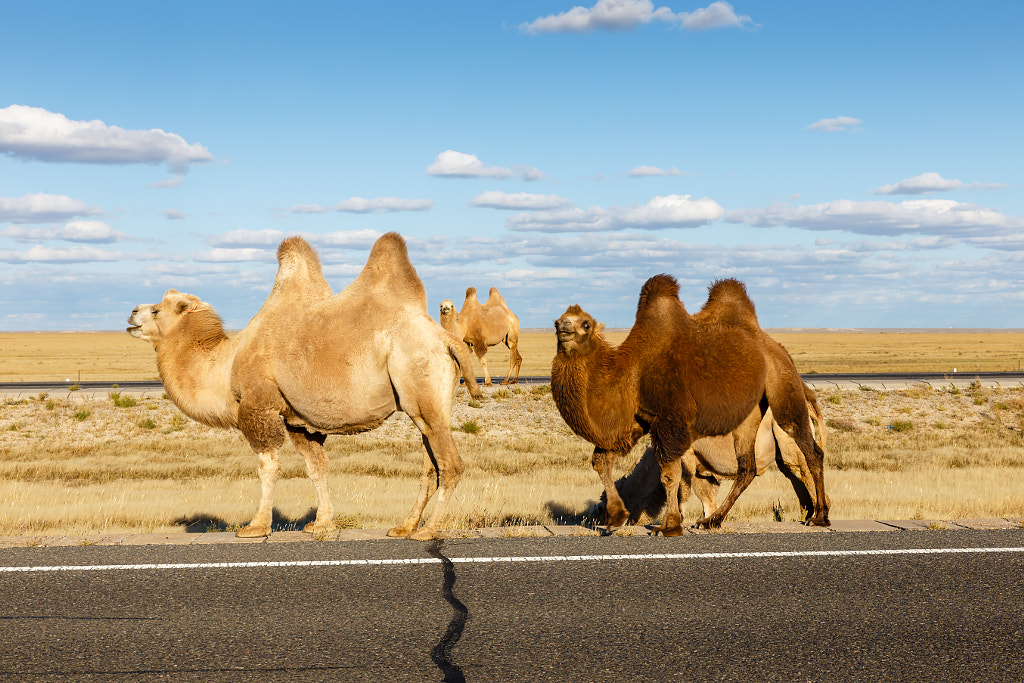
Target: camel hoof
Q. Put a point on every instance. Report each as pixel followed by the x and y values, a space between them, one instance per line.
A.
pixel 817 521
pixel 614 521
pixel 321 531
pixel 423 534
pixel 250 531
pixel 707 523
pixel 398 532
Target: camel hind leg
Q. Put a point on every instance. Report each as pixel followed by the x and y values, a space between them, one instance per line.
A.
pixel 746 469
pixel 311 446
pixel 442 467
pixel 798 439
pixel 428 484
pixel 515 360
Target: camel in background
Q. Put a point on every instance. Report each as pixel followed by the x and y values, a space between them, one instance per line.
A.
pixel 484 326
pixel 312 363
pixel 681 378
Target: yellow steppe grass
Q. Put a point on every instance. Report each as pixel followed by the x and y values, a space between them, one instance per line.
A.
pixel 75 463
pixel 114 356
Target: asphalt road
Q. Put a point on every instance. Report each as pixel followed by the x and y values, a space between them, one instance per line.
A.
pixel 921 606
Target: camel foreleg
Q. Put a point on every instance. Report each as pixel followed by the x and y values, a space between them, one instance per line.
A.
pixel 481 354
pixel 603 462
pixel 671 444
pixel 270 472
pixel 311 446
pixel 264 429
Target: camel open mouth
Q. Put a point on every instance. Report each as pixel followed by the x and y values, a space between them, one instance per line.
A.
pixel 134 330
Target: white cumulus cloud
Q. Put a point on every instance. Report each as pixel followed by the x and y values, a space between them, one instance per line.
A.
pixel 927 183
pixel 43 208
pixel 264 239
pixel 519 201
pixel 611 15
pixel 836 125
pixel 37 134
pixel 232 255
pixel 361 205
pixel 452 164
pixel 715 15
pixel 649 171
pixel 95 232
pixel 41 254
pixel 913 216
pixel 672 211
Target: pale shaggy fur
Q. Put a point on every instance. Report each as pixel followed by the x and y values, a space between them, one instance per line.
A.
pixel 312 363
pixel 483 326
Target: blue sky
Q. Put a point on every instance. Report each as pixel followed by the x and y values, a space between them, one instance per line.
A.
pixel 856 164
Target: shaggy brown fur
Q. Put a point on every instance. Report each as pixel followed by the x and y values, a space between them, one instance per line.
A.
pixel 678 376
pixel 311 363
pixel 484 326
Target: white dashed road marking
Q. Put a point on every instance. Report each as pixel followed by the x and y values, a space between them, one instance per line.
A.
pixel 511 559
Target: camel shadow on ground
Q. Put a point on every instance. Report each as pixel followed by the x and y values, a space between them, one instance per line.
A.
pixel 564 516
pixel 200 524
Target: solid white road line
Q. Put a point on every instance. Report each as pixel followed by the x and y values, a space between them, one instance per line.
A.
pixel 511 559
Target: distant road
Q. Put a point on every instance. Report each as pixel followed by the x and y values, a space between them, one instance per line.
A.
pixel 816 380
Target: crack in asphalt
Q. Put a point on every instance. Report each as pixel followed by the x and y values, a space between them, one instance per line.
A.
pixel 441 654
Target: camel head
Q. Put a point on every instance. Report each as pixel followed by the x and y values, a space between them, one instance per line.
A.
pixel 447 308
pixel 577 331
pixel 155 322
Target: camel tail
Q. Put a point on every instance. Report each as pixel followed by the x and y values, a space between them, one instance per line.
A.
pixel 459 352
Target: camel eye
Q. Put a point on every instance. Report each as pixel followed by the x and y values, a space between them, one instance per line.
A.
pixel 586 327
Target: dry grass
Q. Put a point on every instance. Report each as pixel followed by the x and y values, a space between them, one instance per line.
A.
pixel 113 356
pixel 145 467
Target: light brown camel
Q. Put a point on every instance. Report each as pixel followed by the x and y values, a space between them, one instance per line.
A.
pixel 707 462
pixel 681 378
pixel 311 363
pixel 483 326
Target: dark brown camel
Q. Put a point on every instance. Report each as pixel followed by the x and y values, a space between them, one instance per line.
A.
pixel 681 378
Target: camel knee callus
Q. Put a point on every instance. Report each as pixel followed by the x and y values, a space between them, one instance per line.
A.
pixel 312 363
pixel 484 326
pixel 683 378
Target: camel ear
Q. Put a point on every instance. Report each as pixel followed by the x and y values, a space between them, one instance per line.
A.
pixel 180 306
pixel 600 329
